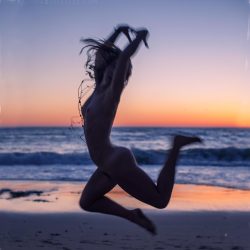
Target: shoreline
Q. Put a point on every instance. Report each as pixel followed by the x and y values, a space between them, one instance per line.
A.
pixel 44 196
pixel 83 183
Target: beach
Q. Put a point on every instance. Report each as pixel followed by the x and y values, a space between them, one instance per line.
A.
pixel 149 95
pixel 46 215
pixel 44 170
pixel 180 230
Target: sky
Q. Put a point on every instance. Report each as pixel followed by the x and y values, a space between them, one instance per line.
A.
pixel 195 73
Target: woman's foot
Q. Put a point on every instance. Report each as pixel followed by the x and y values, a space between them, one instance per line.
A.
pixel 181 140
pixel 141 220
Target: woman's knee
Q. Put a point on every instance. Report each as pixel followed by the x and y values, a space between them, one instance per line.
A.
pixel 85 204
pixel 161 203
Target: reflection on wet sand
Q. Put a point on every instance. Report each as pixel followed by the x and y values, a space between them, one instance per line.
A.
pixel 63 197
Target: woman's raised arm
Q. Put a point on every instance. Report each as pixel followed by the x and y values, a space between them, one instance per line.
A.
pixel 123 61
pixel 120 29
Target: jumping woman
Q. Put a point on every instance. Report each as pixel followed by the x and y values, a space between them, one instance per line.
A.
pixel 111 68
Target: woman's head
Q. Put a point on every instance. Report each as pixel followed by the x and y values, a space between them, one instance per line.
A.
pixel 100 54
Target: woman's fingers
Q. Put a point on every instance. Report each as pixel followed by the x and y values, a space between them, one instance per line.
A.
pixel 126 33
pixel 143 34
pixel 123 28
pixel 146 43
pixel 126 30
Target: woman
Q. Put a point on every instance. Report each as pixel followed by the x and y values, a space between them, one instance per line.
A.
pixel 116 165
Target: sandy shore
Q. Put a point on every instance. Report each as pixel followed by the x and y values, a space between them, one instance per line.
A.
pixel 176 230
pixel 46 215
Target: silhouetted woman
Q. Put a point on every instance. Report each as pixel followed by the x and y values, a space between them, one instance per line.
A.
pixel 116 165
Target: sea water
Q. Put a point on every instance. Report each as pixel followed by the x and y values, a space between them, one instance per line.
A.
pixel 59 154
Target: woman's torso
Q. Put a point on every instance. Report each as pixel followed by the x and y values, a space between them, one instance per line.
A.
pixel 99 112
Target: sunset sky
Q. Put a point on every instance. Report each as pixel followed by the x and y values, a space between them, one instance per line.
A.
pixel 196 72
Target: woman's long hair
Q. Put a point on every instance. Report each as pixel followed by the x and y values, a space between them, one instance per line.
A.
pixel 106 51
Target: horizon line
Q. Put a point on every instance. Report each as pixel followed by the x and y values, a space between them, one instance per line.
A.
pixel 126 126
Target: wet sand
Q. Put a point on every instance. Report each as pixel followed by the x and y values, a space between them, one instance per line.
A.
pixel 46 215
pixel 40 197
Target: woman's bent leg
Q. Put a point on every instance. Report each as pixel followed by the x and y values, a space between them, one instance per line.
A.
pixel 138 184
pixel 166 178
pixel 93 200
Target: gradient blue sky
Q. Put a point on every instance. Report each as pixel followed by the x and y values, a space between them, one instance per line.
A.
pixel 194 73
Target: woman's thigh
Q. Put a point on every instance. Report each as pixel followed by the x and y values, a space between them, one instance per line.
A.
pixel 131 178
pixel 98 185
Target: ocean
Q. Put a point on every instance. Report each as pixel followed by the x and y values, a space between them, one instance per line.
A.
pixel 59 154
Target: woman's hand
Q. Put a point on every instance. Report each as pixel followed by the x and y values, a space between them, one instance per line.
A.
pixel 143 34
pixel 125 29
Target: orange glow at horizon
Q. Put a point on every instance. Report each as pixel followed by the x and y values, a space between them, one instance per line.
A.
pixel 192 119
pixel 132 111
pixel 134 116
